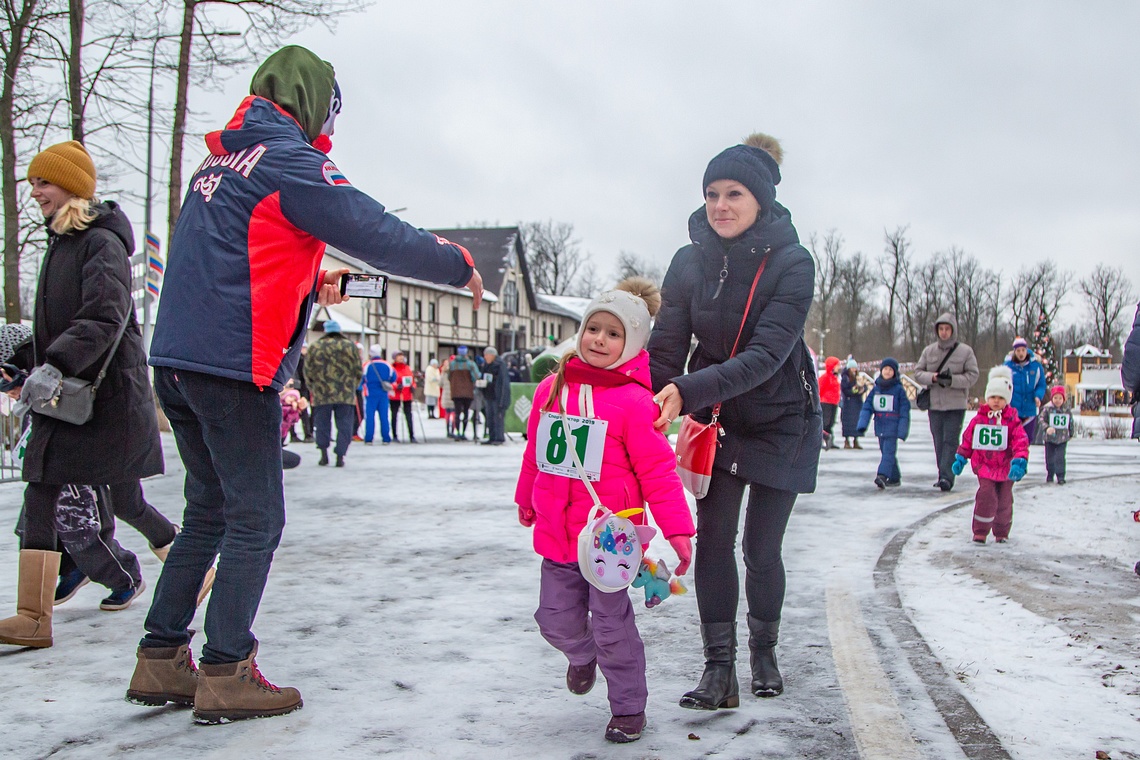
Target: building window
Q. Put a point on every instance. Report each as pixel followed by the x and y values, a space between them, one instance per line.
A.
pixel 559 332
pixel 418 366
pixel 510 298
pixel 431 311
pixel 475 318
pixel 455 315
pixel 403 308
pixel 419 310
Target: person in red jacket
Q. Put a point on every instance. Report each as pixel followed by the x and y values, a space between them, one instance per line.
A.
pixel 401 395
pixel 829 397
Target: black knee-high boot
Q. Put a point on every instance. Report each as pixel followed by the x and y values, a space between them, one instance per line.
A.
pixel 718 687
pixel 762 639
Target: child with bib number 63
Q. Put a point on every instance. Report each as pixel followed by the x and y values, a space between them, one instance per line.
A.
pixel 997 447
pixel 604 388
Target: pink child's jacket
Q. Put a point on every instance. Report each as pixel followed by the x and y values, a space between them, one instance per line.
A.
pixel 638 466
pixel 994 465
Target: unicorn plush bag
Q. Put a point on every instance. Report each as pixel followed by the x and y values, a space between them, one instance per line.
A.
pixel 609 547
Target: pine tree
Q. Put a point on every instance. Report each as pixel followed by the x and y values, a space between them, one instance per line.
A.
pixel 1043 348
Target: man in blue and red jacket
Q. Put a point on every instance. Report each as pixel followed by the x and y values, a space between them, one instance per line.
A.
pixel 242 276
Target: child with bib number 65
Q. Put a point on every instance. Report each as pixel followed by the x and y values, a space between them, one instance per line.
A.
pixel 997 447
pixel 604 388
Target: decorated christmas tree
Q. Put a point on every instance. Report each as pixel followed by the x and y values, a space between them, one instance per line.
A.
pixel 1043 347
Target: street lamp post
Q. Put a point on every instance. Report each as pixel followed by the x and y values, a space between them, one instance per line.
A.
pixel 820 333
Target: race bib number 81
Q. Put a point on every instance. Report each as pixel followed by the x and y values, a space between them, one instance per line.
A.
pixel 553 441
pixel 991 437
pixel 882 403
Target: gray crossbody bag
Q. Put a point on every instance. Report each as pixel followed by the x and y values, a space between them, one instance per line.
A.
pixel 75 403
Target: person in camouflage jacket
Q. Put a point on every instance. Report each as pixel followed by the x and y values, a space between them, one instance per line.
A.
pixel 332 369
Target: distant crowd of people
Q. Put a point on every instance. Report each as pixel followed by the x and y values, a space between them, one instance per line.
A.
pixel 331 389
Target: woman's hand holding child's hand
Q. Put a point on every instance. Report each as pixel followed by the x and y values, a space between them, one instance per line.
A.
pixel 526 516
pixel 683 545
pixel 669 399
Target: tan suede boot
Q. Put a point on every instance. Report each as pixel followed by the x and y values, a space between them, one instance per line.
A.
pixel 32 625
pixel 237 690
pixel 163 674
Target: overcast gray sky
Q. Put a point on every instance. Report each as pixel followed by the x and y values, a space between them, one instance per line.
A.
pixel 1007 128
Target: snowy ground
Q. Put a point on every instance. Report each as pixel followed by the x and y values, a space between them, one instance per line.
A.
pixel 401 598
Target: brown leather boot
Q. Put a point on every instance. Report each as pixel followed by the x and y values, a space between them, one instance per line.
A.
pixel 31 627
pixel 237 690
pixel 163 674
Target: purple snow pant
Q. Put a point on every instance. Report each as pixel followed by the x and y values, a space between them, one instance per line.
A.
pixel 993 507
pixel 583 622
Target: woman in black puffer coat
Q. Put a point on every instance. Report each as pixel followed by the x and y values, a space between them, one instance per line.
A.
pixel 770 400
pixel 84 294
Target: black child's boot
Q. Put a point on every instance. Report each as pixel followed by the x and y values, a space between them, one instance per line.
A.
pixel 718 687
pixel 762 639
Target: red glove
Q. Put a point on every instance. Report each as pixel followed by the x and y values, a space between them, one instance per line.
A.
pixel 683 545
pixel 526 516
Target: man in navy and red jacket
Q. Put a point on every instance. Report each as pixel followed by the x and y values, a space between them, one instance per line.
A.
pixel 242 276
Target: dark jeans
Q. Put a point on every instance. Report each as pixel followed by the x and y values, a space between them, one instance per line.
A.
pixel 889 461
pixel 946 429
pixel 394 407
pixel 1055 459
pixel 229 437
pixel 495 426
pixel 86 535
pixel 714 569
pixel 345 425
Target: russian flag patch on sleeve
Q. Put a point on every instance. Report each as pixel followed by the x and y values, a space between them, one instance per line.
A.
pixel 333 175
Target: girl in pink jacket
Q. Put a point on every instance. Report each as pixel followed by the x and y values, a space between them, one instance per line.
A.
pixel 606 379
pixel 998 450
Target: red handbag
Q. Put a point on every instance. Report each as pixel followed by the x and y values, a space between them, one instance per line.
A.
pixel 697 441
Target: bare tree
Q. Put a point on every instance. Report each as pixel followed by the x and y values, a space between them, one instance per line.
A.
pixel 1108 292
pixel 855 290
pixel 22 108
pixel 631 265
pixel 554 257
pixel 893 264
pixel 1036 290
pixel 828 262
pixel 922 294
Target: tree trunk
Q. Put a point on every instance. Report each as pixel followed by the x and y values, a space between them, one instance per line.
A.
pixel 75 12
pixel 174 188
pixel 18 41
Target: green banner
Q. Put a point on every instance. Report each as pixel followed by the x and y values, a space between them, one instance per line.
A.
pixel 522 396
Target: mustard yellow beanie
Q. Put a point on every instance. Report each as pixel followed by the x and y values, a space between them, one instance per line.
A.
pixel 67 165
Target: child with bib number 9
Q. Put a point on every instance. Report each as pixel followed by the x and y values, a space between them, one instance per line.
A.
pixel 604 391
pixel 997 447
pixel 889 405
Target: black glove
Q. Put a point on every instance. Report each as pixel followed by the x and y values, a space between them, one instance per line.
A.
pixel 18 377
pixel 944 378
